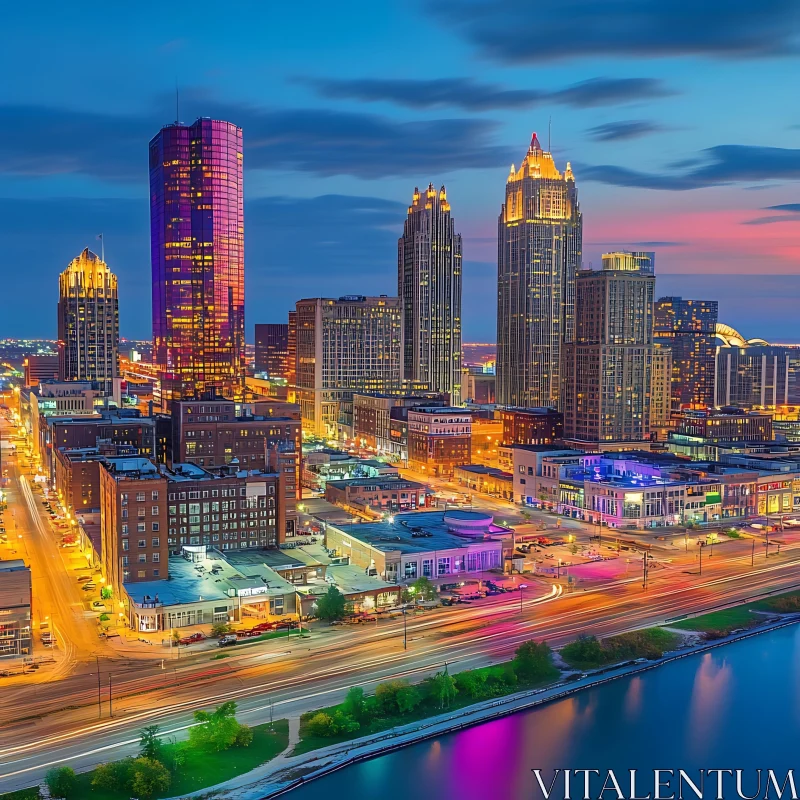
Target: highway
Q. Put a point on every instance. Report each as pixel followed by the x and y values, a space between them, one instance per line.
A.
pixel 63 716
pixel 287 679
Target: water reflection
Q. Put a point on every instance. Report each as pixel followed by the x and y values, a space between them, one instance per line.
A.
pixel 704 711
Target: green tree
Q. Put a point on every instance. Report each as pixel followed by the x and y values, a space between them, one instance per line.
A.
pixel 424 589
pixel 470 683
pixel 533 661
pixel 150 745
pixel 61 782
pixel 106 593
pixel 218 729
pixel 585 651
pixel 220 629
pixel 396 697
pixel 443 688
pixel 321 724
pixel 332 605
pixel 148 777
pixel 112 776
pixel 176 636
pixel 354 703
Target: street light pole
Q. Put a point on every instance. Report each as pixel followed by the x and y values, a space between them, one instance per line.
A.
pixel 99 700
pixel 405 631
pixel 753 555
pixel 110 709
pixel 701 558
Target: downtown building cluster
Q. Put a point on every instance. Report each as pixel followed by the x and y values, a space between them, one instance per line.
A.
pixel 608 404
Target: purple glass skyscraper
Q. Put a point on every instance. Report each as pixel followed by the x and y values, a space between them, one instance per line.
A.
pixel 197 247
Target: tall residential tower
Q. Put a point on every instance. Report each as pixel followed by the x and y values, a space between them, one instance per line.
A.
pixel 539 254
pixel 88 322
pixel 608 366
pixel 429 287
pixel 197 247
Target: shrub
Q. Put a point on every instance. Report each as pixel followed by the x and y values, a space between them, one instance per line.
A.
pixel 149 743
pixel 442 688
pixel 325 725
pixel 585 651
pixel 321 724
pixel 113 775
pixel 471 684
pixel 396 697
pixel 244 736
pixel 61 782
pixel 220 629
pixel 354 704
pixel 148 777
pixel 533 661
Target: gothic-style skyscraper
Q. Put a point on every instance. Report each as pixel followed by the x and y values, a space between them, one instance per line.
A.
pixel 429 286
pixel 88 322
pixel 197 246
pixel 539 254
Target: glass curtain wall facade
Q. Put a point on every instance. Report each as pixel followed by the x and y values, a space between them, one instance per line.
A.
pixel 197 247
pixel 688 328
pixel 539 254
pixel 429 286
pixel 88 322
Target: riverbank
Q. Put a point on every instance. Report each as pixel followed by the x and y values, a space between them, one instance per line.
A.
pixel 288 771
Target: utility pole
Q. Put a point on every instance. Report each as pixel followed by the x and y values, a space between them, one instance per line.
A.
pixel 753 555
pixel 701 558
pixel 520 597
pixel 644 570
pixel 766 543
pixel 99 699
pixel 110 709
pixel 405 631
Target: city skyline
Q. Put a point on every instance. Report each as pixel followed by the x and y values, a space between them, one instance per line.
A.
pixel 654 133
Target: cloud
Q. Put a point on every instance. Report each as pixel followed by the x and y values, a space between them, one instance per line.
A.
pixel 43 141
pixel 625 129
pixel 470 95
pixel 714 166
pixel 329 245
pixel 793 207
pixel 793 210
pixel 518 31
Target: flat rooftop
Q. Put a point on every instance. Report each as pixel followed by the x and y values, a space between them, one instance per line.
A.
pixel 482 469
pixel 397 535
pixel 383 480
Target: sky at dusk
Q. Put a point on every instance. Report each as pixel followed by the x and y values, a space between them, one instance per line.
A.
pixel 680 119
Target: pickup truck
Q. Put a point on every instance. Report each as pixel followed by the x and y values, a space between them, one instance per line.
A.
pixel 192 639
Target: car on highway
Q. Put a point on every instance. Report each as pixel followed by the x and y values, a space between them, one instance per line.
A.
pixel 192 638
pixel 227 640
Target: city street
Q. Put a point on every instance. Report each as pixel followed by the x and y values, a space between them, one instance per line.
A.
pixel 288 678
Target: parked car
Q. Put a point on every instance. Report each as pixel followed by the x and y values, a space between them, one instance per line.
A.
pixel 263 627
pixel 98 605
pixel 84 578
pixel 291 623
pixel 192 638
pixel 227 640
pixel 89 587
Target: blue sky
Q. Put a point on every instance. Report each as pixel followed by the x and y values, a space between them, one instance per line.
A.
pixel 677 117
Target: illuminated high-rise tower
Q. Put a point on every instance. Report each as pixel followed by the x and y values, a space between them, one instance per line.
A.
pixel 197 247
pixel 429 286
pixel 539 254
pixel 88 322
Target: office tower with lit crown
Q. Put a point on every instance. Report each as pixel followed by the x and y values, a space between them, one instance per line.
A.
pixel 429 287
pixel 539 254
pixel 344 346
pixel 608 366
pixel 197 248
pixel 688 327
pixel 88 322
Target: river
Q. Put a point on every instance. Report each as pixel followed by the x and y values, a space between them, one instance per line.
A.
pixel 735 707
